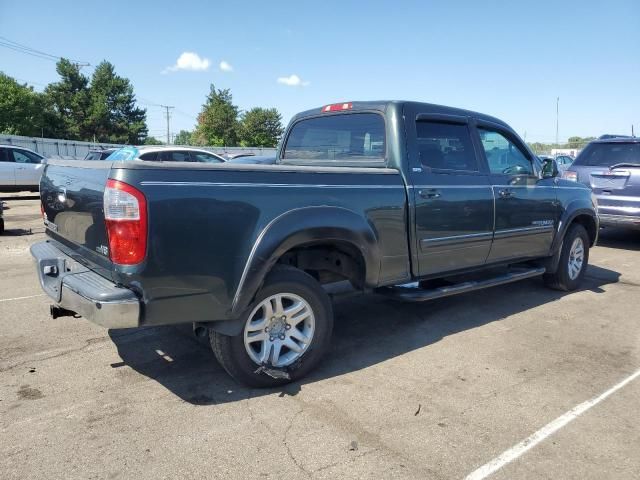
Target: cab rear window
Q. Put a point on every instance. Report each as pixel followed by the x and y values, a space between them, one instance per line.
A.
pixel 352 139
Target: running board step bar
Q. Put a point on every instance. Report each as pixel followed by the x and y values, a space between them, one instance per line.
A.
pixel 413 293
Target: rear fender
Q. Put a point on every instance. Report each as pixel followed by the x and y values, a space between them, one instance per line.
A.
pixel 306 226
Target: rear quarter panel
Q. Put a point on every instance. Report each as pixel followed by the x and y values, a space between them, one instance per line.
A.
pixel 205 221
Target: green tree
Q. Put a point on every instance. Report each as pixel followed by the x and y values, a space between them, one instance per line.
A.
pixel 578 142
pixel 183 138
pixel 152 141
pixel 24 111
pixel 218 120
pixel 70 100
pixel 261 127
pixel 112 114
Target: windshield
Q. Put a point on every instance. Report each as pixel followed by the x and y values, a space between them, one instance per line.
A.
pixel 608 154
pixel 124 154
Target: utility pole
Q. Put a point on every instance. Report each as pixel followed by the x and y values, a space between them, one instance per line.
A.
pixel 168 115
pixel 557 111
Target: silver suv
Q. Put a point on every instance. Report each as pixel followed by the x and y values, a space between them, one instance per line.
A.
pixel 611 167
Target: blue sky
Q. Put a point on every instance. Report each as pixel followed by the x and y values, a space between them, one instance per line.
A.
pixel 510 59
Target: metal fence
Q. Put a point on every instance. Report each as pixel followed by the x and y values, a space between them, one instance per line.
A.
pixel 73 149
pixel 54 148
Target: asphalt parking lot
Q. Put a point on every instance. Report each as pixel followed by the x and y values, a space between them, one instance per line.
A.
pixel 409 391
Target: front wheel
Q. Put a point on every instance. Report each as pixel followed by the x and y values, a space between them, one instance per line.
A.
pixel 286 332
pixel 574 258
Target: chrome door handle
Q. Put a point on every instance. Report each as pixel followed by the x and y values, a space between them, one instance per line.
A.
pixel 506 193
pixel 430 193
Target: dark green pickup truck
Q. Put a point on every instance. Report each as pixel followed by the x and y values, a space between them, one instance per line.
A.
pixel 410 200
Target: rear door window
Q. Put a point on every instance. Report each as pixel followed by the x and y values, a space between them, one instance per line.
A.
pixel 608 154
pixel 445 146
pixel 346 140
pixel 174 156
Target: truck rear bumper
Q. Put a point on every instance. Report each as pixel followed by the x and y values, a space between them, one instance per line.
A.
pixel 74 287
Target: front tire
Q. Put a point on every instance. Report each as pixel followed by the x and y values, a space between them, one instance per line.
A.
pixel 286 332
pixel 574 258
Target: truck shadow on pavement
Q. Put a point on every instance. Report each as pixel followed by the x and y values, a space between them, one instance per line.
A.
pixel 368 330
pixel 620 239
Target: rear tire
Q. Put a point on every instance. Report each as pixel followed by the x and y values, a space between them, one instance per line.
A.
pixel 288 295
pixel 574 258
pixel 1 224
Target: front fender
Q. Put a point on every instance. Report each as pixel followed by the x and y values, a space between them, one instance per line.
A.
pixel 305 226
pixel 573 209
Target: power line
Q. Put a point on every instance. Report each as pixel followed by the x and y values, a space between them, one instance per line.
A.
pixel 18 47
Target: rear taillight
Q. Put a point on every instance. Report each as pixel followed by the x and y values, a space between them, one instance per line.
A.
pixel 125 216
pixel 568 175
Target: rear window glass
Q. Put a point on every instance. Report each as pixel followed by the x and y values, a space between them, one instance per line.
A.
pixel 608 154
pixel 347 139
pixel 446 146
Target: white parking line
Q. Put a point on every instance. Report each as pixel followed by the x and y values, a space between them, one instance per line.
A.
pixel 528 443
pixel 20 298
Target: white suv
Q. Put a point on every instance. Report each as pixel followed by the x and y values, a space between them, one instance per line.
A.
pixel 20 169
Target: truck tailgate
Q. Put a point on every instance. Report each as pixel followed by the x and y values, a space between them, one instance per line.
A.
pixel 72 200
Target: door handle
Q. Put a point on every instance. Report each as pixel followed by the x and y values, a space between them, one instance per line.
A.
pixel 430 193
pixel 506 193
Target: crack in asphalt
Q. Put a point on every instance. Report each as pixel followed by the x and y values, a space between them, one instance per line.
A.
pixel 286 445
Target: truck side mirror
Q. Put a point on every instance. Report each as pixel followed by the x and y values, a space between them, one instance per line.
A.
pixel 549 168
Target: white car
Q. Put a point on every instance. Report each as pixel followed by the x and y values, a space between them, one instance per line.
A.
pixel 20 169
pixel 167 153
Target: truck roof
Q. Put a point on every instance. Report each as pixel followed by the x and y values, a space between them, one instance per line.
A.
pixel 383 105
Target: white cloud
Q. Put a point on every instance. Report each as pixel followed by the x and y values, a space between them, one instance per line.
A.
pixel 189 61
pixel 293 81
pixel 226 66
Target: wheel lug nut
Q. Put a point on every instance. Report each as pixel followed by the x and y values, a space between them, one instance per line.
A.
pixel 266 329
pixel 287 327
pixel 282 337
pixel 283 318
pixel 272 339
